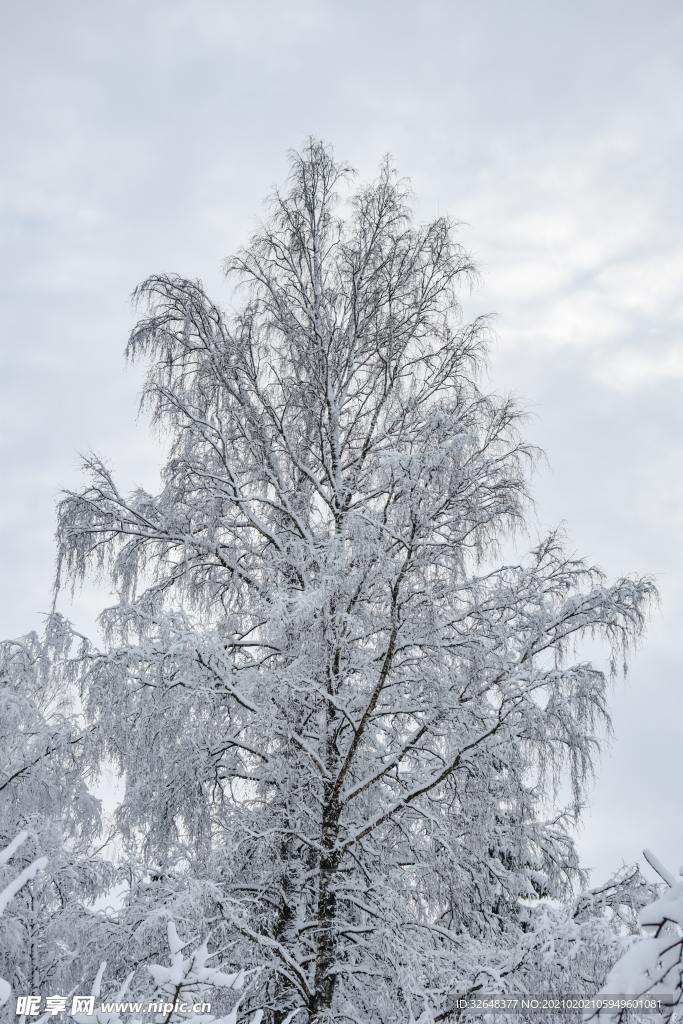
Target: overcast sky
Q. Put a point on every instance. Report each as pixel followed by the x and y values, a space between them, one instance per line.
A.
pixel 142 135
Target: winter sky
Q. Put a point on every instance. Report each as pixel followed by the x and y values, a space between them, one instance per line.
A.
pixel 142 135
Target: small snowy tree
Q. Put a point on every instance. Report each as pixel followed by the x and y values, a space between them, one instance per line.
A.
pixel 652 965
pixel 10 890
pixel 45 798
pixel 336 713
pixel 183 990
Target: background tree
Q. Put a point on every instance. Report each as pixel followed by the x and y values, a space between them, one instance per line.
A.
pixel 11 888
pixel 337 713
pixel 44 798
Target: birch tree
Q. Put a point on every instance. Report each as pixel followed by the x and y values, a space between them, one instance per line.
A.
pixel 336 707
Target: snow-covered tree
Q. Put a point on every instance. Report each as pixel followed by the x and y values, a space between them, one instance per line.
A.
pixel 340 715
pixel 183 989
pixel 44 798
pixel 651 967
pixel 10 889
